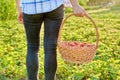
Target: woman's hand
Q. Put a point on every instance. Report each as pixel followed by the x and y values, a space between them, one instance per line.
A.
pixel 19 17
pixel 79 11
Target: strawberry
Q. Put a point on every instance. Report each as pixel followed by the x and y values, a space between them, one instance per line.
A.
pixel 73 44
pixel 82 45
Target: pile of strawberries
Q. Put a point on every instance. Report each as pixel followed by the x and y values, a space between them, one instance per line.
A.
pixel 78 44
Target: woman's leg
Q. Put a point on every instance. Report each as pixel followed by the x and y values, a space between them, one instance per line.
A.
pixel 52 22
pixel 32 24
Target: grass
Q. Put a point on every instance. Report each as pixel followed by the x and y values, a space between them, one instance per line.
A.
pixel 105 65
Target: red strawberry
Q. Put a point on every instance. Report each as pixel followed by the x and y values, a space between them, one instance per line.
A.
pixel 72 44
pixel 88 45
pixel 83 44
pixel 75 43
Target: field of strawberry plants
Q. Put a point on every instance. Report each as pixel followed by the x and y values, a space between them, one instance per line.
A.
pixel 105 65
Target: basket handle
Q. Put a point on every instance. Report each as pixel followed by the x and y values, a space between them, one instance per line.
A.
pixel 87 16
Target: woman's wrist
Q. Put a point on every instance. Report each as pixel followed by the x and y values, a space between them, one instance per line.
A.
pixel 74 3
pixel 18 5
pixel 19 9
pixel 76 6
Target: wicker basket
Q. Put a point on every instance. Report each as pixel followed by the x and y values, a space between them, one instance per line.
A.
pixel 77 52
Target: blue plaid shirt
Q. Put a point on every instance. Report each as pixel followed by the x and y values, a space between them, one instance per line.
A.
pixel 39 6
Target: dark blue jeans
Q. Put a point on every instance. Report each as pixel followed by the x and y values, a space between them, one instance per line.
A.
pixel 32 23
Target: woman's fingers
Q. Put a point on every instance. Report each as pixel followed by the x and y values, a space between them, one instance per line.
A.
pixel 79 11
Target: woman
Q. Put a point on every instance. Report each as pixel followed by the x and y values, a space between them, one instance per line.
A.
pixel 32 13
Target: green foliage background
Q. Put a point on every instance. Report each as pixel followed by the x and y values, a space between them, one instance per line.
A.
pixel 7 9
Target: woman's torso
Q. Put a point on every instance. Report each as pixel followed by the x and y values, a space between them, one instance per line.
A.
pixel 39 6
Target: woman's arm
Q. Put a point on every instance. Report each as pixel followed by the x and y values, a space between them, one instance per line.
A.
pixel 77 9
pixel 19 17
pixel 18 5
